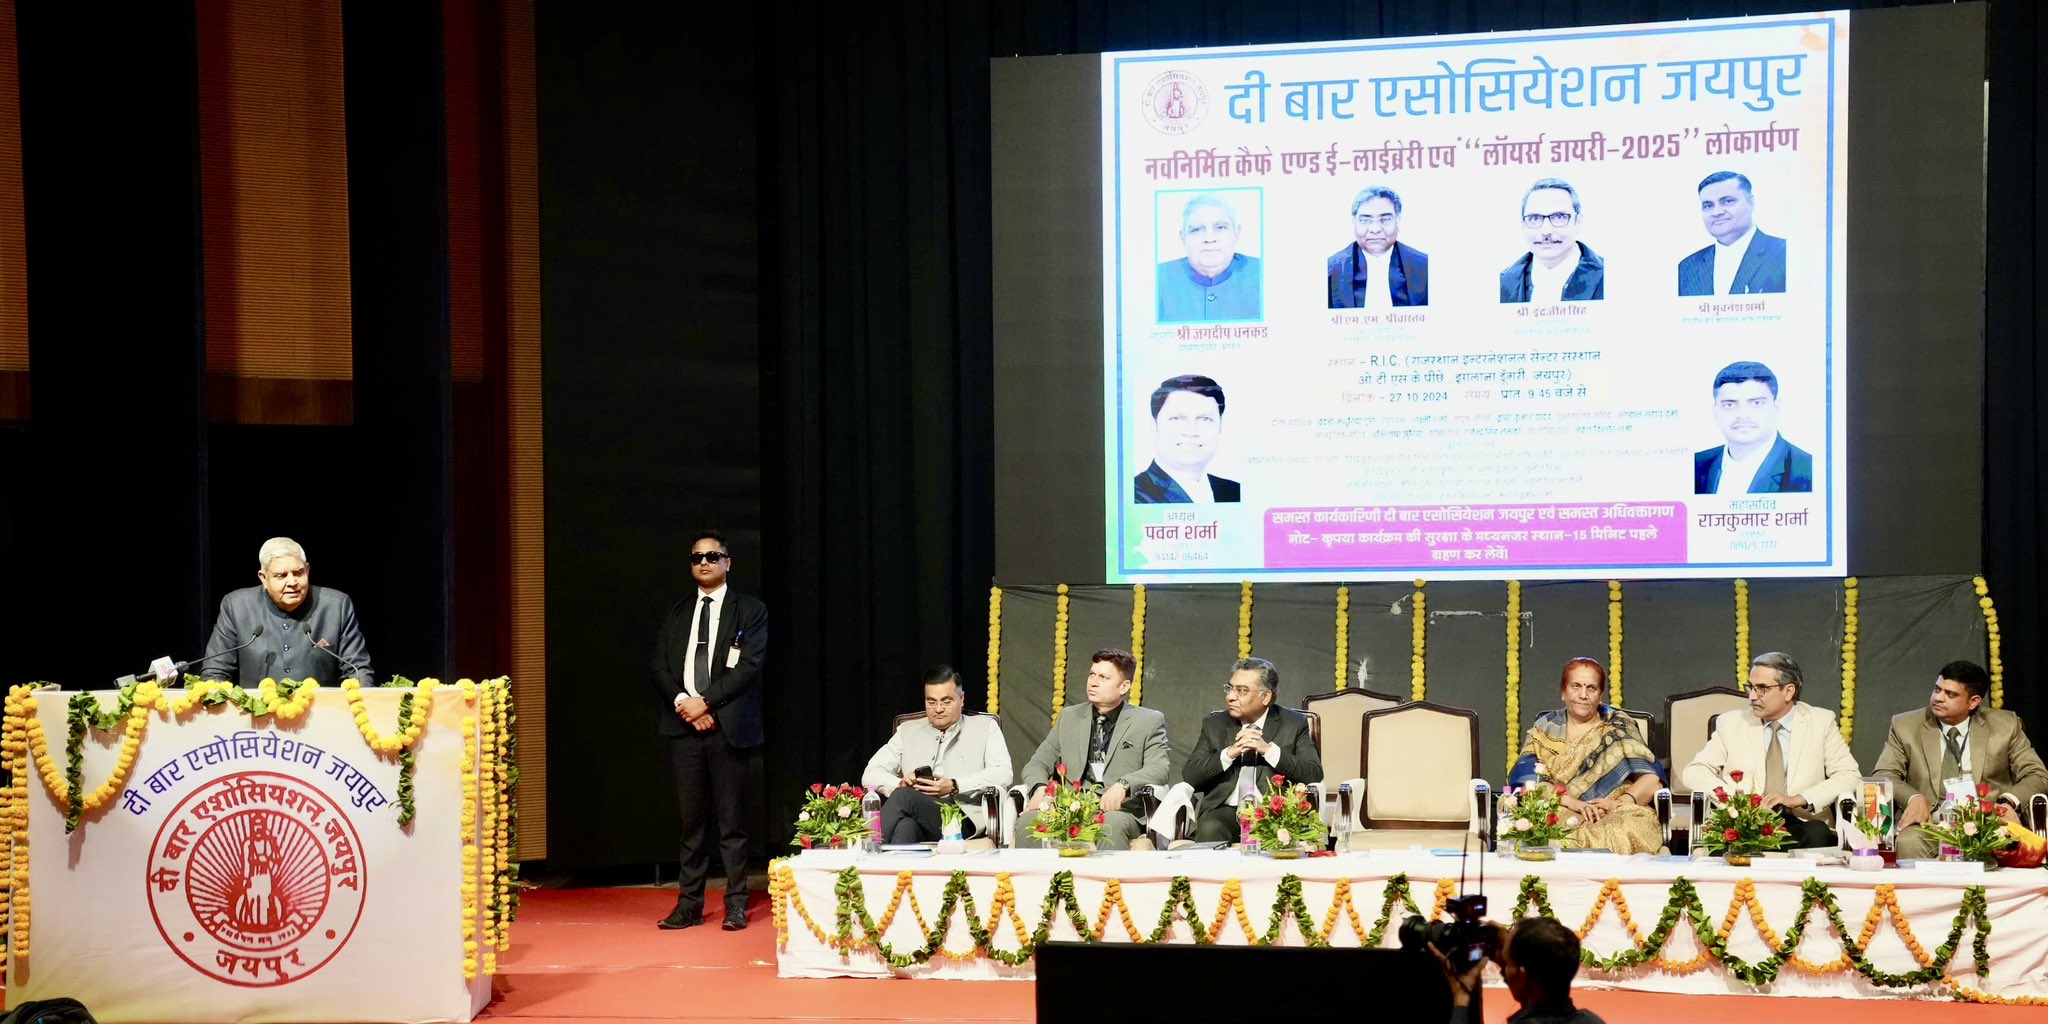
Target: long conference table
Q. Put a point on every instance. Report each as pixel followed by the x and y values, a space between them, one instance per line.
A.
pixel 1657 924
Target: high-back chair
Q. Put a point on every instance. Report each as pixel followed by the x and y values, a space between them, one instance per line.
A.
pixel 1342 744
pixel 991 797
pixel 1422 784
pixel 1690 718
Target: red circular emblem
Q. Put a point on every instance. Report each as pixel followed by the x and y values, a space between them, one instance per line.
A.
pixel 256 879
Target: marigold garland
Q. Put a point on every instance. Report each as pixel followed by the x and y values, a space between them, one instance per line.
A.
pixel 1138 643
pixel 1847 723
pixel 1742 634
pixel 487 752
pixel 402 739
pixel 506 782
pixel 1417 685
pixel 466 824
pixel 995 646
pixel 1991 636
pixel 1614 642
pixel 1244 620
pixel 1514 674
pixel 1059 656
pixel 1343 637
pixel 14 903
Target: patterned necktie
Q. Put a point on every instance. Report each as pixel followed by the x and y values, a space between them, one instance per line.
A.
pixel 703 678
pixel 1774 760
pixel 1098 744
pixel 1951 754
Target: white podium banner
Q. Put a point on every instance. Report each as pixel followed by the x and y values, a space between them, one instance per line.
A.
pixel 254 869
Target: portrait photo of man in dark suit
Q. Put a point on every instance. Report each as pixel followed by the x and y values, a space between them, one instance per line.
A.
pixel 1187 422
pixel 1755 459
pixel 1377 270
pixel 1743 260
pixel 1558 267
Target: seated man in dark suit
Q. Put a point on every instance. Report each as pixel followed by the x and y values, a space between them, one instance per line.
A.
pixel 1187 423
pixel 307 632
pixel 1757 459
pixel 1251 739
pixel 1377 270
pixel 1743 260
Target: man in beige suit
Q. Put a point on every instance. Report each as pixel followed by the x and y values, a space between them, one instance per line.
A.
pixel 1791 748
pixel 1956 737
pixel 942 757
pixel 1105 742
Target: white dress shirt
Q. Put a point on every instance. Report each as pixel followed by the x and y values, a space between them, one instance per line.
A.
pixel 1546 284
pixel 690 680
pixel 1379 279
pixel 1271 756
pixel 1738 474
pixel 1728 259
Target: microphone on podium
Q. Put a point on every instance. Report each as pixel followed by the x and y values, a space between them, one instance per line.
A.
pixel 164 670
pixel 352 667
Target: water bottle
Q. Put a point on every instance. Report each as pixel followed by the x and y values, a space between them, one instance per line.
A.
pixel 1945 816
pixel 871 809
pixel 1247 799
pixel 1343 824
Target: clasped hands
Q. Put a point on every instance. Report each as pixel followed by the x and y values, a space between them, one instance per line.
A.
pixel 697 712
pixel 1249 741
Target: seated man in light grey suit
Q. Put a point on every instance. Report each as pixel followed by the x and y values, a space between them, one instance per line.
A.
pixel 1790 751
pixel 1104 742
pixel 1956 737
pixel 287 628
pixel 937 758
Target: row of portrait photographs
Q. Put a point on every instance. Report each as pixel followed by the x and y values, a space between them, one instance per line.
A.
pixel 1187 417
pixel 1220 273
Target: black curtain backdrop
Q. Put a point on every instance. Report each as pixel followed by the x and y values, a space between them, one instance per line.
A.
pixel 875 346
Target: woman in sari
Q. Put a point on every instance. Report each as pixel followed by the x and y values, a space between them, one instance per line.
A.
pixel 1609 776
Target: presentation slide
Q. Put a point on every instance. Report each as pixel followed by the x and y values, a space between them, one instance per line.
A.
pixel 1534 305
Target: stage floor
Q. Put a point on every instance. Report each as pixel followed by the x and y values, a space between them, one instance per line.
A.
pixel 593 955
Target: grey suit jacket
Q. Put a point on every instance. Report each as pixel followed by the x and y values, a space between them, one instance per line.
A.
pixel 1138 750
pixel 972 753
pixel 287 648
pixel 1999 753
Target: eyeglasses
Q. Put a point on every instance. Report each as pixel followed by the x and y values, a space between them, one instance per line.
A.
pixel 1241 691
pixel 1385 220
pixel 1557 220
pixel 1766 687
pixel 940 702
pixel 698 557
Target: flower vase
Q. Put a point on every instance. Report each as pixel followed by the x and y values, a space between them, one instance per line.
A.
pixel 1736 860
pixel 1074 847
pixel 951 842
pixel 1868 859
pixel 1289 852
pixel 1536 853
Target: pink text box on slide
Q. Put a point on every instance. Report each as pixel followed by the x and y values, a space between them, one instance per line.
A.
pixel 1476 536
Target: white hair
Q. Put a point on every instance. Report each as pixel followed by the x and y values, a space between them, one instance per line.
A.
pixel 276 548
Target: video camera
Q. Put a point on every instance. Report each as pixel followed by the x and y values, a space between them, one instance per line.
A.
pixel 1465 939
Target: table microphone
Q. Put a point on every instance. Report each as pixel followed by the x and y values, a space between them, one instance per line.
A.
pixel 332 653
pixel 178 668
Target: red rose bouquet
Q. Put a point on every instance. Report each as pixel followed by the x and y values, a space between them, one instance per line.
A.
pixel 1075 813
pixel 1739 824
pixel 1283 817
pixel 831 817
pixel 1534 816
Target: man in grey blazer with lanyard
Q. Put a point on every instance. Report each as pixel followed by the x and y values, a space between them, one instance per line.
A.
pixel 1956 740
pixel 1251 732
pixel 706 675
pixel 1791 748
pixel 1104 742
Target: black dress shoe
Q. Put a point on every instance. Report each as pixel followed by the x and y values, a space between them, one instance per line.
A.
pixel 735 920
pixel 680 918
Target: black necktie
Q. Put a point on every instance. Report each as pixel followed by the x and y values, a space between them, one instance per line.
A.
pixel 703 646
pixel 1098 745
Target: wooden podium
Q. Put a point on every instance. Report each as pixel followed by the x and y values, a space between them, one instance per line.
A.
pixel 237 866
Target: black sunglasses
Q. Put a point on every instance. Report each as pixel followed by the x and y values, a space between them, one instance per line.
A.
pixel 707 556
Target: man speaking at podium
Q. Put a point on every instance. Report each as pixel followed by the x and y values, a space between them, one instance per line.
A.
pixel 286 628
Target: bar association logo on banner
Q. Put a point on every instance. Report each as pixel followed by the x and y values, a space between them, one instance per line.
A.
pixel 1175 102
pixel 255 879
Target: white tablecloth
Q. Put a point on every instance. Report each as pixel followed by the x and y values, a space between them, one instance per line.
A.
pixel 804 887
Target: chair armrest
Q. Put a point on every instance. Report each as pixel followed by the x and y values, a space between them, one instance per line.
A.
pixel 1662 802
pixel 1149 798
pixel 2039 806
pixel 991 798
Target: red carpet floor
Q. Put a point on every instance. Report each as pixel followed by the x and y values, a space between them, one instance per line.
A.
pixel 594 955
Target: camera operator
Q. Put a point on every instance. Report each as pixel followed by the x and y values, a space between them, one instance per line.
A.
pixel 1537 958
